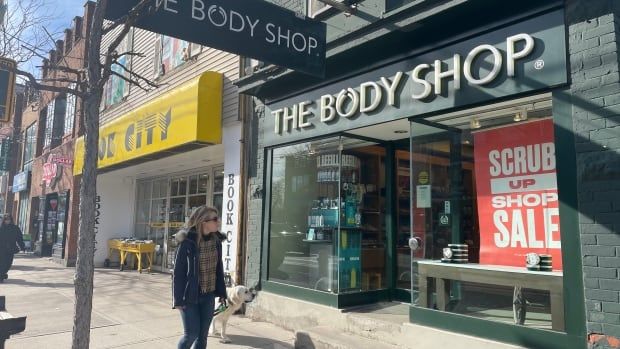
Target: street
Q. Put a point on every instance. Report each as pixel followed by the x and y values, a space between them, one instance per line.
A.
pixel 130 310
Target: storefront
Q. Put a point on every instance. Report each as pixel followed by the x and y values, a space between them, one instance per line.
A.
pixel 53 196
pixel 434 180
pixel 157 163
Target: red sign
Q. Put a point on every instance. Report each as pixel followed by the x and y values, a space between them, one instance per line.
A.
pixel 517 193
pixel 50 171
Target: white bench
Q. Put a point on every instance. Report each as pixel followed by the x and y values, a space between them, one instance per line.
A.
pixel 518 278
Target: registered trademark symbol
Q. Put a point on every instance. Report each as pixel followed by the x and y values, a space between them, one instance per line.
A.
pixel 539 64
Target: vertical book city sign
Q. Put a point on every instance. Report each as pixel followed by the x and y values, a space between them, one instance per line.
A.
pixel 256 29
pixel 7 88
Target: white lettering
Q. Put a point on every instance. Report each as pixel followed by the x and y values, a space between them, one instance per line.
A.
pixel 518 230
pixel 231 24
pixel 502 237
pixel 366 94
pixel 290 114
pixel 277 114
pixel 252 25
pixel 415 75
pixel 170 9
pixel 341 99
pixel 455 73
pixel 552 228
pixel 512 56
pixel 304 113
pixel 312 43
pixel 392 86
pixel 269 27
pixel 198 12
pixel 497 65
pixel 328 112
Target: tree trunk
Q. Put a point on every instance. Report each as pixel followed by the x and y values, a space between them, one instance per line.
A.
pixel 85 267
pixel 85 263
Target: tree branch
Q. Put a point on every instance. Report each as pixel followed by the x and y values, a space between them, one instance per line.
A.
pixel 133 74
pixel 131 16
pixel 44 87
pixel 134 14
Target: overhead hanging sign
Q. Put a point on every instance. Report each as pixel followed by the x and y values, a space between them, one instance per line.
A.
pixel 256 29
pixel 517 193
pixel 7 88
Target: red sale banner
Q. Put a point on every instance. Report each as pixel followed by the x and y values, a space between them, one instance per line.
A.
pixel 517 194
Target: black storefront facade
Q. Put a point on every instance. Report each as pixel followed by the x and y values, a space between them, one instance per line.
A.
pixel 445 172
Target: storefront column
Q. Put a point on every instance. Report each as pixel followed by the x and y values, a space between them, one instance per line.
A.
pixel 595 91
pixel 255 198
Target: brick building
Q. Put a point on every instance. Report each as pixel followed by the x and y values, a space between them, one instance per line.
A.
pixel 48 206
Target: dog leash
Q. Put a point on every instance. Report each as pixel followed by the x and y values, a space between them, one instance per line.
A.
pixel 223 306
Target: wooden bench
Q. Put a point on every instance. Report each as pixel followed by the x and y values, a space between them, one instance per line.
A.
pixel 9 325
pixel 518 278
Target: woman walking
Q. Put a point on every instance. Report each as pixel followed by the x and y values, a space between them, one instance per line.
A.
pixel 11 241
pixel 198 275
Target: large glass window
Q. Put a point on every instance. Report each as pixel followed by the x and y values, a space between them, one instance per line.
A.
pixel 70 112
pixel 24 213
pixel 327 229
pixel 30 139
pixel 171 53
pixel 117 86
pixel 49 124
pixel 485 212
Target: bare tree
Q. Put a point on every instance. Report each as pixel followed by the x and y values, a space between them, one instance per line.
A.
pixel 89 88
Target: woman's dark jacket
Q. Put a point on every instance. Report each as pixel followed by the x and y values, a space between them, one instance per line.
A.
pixel 185 283
pixel 10 238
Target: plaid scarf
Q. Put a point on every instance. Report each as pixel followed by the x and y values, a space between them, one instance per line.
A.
pixel 208 258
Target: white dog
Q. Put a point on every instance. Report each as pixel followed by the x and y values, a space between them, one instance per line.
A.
pixel 236 297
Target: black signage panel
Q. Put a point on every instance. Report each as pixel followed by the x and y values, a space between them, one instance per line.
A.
pixel 252 28
pixel 520 58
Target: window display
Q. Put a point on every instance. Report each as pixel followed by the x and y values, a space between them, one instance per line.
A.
pixel 485 207
pixel 327 228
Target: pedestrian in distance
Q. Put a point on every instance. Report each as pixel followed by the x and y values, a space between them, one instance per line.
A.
pixel 198 275
pixel 11 242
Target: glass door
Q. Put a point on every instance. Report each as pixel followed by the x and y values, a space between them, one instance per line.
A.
pixel 435 195
pixel 158 220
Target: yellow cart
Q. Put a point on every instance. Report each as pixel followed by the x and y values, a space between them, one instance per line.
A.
pixel 129 247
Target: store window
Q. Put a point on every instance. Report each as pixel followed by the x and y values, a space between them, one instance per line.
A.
pixel 70 112
pixel 117 86
pixel 22 218
pixel 327 206
pixel 171 53
pixel 49 124
pixel 485 213
pixel 30 139
pixel 54 122
pixel 164 204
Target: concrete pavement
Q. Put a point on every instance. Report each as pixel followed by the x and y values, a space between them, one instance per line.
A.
pixel 130 310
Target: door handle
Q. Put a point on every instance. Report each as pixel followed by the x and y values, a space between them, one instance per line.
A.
pixel 415 243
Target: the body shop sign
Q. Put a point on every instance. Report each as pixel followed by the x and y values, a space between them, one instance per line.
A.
pixel 517 195
pixel 256 29
pixel 524 57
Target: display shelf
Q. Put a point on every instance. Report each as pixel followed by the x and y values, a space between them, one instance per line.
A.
pixel 318 241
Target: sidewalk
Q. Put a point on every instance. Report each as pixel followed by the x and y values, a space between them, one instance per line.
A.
pixel 130 310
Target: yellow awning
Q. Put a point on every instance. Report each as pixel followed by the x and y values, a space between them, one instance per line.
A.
pixel 190 113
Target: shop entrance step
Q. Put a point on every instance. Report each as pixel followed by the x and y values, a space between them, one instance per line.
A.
pixel 323 337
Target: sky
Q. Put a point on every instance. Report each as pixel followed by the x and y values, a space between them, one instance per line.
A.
pixel 63 12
